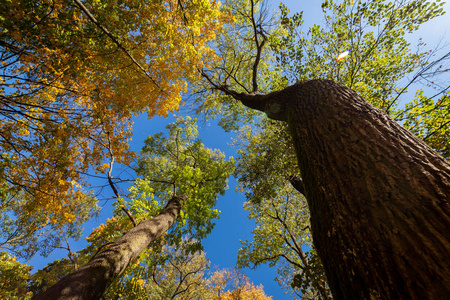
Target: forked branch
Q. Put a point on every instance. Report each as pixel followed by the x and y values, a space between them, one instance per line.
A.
pixel 260 40
pixel 113 187
pixel 119 45
pixel 259 37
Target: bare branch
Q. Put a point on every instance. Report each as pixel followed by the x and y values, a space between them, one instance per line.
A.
pixel 113 187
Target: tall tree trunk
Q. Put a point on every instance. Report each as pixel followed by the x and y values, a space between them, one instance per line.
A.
pixel 378 195
pixel 90 281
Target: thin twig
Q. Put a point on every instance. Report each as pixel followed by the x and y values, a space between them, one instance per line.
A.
pixel 109 34
pixel 111 184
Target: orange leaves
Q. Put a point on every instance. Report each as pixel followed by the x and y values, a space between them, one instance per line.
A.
pixel 69 91
pixel 239 284
pixel 247 292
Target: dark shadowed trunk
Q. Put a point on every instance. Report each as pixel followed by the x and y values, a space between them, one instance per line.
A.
pixel 378 195
pixel 90 281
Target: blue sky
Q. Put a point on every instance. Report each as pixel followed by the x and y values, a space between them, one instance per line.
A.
pixel 222 244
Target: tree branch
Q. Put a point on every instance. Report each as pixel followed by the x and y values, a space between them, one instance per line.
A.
pixel 113 187
pixel 257 30
pixel 106 31
pixel 297 183
pixel 250 98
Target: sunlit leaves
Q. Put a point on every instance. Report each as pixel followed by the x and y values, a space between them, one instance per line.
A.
pixel 13 278
pixel 247 292
pixel 180 164
pixel 381 58
pixel 237 51
pixel 429 119
pixel 68 90
pixel 24 234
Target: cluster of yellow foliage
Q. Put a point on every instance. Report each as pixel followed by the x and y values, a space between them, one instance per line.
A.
pixel 248 291
pixel 68 90
pixel 241 287
pixel 13 278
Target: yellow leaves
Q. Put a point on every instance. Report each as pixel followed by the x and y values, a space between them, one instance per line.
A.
pixel 24 132
pixel 75 91
pixel 140 282
pixel 242 288
pixel 68 217
pixel 108 232
pixel 13 278
pixel 15 35
pixel 247 292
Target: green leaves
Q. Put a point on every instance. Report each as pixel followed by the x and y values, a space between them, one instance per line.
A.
pixel 179 164
pixel 380 61
pixel 74 73
pixel 13 278
pixel 281 238
pixel 24 236
pixel 429 119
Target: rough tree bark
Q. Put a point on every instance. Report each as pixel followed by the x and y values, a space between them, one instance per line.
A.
pixel 90 281
pixel 378 195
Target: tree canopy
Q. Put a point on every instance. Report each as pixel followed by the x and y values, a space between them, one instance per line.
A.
pixel 75 73
pixel 378 68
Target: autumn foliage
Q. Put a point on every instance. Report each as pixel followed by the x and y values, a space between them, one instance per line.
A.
pixel 69 87
pixel 248 291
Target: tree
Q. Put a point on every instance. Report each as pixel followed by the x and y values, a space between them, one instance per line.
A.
pixel 73 75
pixel 163 272
pixel 305 130
pixel 91 280
pixel 266 172
pixel 24 235
pixel 185 177
pixel 376 193
pixel 237 284
pixel 382 67
pixel 13 278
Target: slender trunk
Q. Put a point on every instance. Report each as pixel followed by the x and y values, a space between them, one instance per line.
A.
pixel 378 195
pixel 90 281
